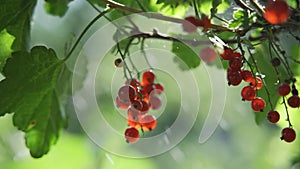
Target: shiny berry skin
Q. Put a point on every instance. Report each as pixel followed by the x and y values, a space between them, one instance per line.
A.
pixel 258 104
pixel 284 89
pixel 227 54
pixel 273 116
pixel 276 12
pixel 190 24
pixel 131 135
pixel 208 54
pixel 248 93
pixel 247 75
pixel 294 101
pixel 127 93
pixel 235 64
pixel 234 77
pixel 123 105
pixel 256 83
pixel 148 122
pixel 154 102
pixel 288 135
pixel 148 78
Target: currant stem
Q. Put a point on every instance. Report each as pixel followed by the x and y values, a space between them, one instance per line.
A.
pixel 287 112
pixel 195 5
pixel 85 31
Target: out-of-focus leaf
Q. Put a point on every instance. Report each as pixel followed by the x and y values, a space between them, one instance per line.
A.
pixel 186 54
pixel 57 7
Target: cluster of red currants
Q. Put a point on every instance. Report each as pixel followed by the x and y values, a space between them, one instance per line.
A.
pixel 138 98
pixel 288 134
pixel 235 75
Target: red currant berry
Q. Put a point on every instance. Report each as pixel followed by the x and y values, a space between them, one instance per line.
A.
pixel 208 54
pixel 256 83
pixel 234 77
pixel 277 12
pixel 294 101
pixel 148 122
pixel 131 135
pixel 248 93
pixel 135 83
pixel 145 107
pixel 190 24
pixel 136 104
pixel 148 88
pixel 227 54
pixel 288 135
pixel 235 64
pixel 273 116
pixel 159 88
pixel 154 102
pixel 133 117
pixel 123 105
pixel 258 104
pixel 127 93
pixel 148 78
pixel 284 89
pixel 205 23
pixel 247 75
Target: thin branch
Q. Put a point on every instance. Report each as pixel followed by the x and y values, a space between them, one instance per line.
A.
pixel 243 5
pixel 122 7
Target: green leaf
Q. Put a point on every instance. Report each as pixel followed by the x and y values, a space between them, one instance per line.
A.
pixel 57 7
pixel 28 91
pixel 15 16
pixel 6 41
pixel 186 54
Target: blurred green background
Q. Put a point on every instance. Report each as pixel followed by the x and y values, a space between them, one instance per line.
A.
pixel 238 142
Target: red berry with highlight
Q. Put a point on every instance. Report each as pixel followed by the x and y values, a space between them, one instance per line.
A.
pixel 277 12
pixel 258 104
pixel 148 122
pixel 273 116
pixel 294 101
pixel 148 78
pixel 234 77
pixel 288 135
pixel 284 89
pixel 132 135
pixel 248 93
pixel 127 93
pixel 247 75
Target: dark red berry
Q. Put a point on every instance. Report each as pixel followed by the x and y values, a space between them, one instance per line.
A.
pixel 294 101
pixel 190 24
pixel 284 89
pixel 136 104
pixel 205 23
pixel 273 116
pixel 258 104
pixel 248 93
pixel 234 77
pixel 131 135
pixel 288 134
pixel 118 62
pixel 235 64
pixel 275 62
pixel 158 88
pixel 247 75
pixel 227 54
pixel 256 83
